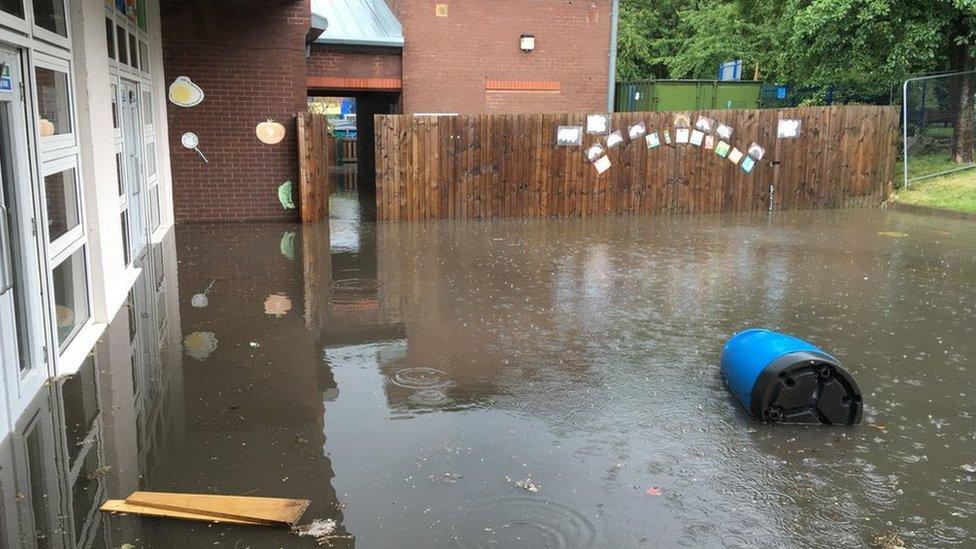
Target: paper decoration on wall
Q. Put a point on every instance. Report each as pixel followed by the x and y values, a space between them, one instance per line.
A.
pixel 723 131
pixel 682 120
pixel 184 93
pixel 270 132
pixel 667 137
pixel 569 136
pixel 653 140
pixel 735 155
pixel 284 195
pixel 756 151
pixel 615 139
pixel 602 164
pixel 722 149
pixel 704 124
pixel 636 131
pixel 598 124
pixel 594 151
pixel 191 141
pixel 788 128
pixel 747 164
pixel 681 135
pixel 709 142
pixel 696 138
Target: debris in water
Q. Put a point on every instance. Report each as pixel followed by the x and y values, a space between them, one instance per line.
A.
pixel 653 491
pixel 100 472
pixel 893 234
pixel 322 530
pixel 255 344
pixel 887 540
pixel 526 484
pixel 448 478
pixel 969 467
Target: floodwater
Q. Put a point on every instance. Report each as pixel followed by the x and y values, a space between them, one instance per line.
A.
pixel 531 383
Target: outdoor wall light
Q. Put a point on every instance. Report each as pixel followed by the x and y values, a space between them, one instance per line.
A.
pixel 527 42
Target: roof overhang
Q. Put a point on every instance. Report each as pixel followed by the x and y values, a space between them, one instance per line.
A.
pixel 357 23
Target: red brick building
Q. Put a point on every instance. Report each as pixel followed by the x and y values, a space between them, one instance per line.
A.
pixel 259 59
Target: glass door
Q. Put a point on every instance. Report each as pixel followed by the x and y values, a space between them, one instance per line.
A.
pixel 22 350
pixel 129 100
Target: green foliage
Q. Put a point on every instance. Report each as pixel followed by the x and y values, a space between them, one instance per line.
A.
pixel 865 45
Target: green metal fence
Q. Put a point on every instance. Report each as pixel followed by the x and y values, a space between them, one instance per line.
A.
pixel 687 95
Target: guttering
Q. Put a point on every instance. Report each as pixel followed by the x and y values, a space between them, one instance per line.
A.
pixel 612 76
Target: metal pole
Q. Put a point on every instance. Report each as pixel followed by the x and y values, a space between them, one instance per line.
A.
pixel 612 76
pixel 904 130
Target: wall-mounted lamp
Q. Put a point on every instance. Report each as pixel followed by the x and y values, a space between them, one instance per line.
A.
pixel 527 42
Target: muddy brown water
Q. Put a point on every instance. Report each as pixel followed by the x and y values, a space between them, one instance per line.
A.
pixel 405 378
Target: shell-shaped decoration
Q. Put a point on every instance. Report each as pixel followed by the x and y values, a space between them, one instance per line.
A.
pixel 184 93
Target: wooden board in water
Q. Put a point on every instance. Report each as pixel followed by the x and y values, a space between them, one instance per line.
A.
pixel 120 506
pixel 257 509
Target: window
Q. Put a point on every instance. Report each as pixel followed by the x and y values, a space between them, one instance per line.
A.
pixel 119 167
pixel 126 253
pixel 150 159
pixel 70 296
pixel 133 52
pixel 49 15
pixel 147 108
pixel 154 207
pixel 115 105
pixel 110 37
pixel 61 192
pixel 144 56
pixel 37 470
pixel 52 102
pixel 142 18
pixel 120 40
pixel 13 7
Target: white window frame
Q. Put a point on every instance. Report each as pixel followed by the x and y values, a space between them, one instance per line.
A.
pixel 60 141
pixel 68 239
pixel 41 33
pixel 12 21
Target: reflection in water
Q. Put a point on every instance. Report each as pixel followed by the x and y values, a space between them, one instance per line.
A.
pixel 419 368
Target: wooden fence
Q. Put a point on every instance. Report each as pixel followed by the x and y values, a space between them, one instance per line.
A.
pixel 491 166
pixel 316 154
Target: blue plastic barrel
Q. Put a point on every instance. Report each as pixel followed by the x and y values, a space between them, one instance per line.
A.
pixel 780 378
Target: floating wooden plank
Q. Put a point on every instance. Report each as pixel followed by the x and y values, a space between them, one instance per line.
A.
pixel 258 509
pixel 120 506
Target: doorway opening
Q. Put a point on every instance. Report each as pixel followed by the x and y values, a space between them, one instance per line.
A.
pixel 350 115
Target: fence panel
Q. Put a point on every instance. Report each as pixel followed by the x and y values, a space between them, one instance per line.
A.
pixel 316 153
pixel 939 126
pixel 498 166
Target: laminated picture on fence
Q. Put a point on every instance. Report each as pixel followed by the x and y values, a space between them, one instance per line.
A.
pixel 667 137
pixel 696 138
pixel 653 140
pixel 681 135
pixel 602 164
pixel 735 155
pixel 709 142
pixel 788 128
pixel 615 139
pixel 594 151
pixel 747 164
pixel 598 124
pixel 569 136
pixel 723 131
pixel 722 149
pixel 636 131
pixel 682 120
pixel 704 124
pixel 756 151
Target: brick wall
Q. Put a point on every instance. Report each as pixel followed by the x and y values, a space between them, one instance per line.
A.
pixel 249 59
pixel 346 62
pixel 447 60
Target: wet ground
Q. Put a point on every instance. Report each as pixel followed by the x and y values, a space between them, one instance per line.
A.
pixel 536 383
